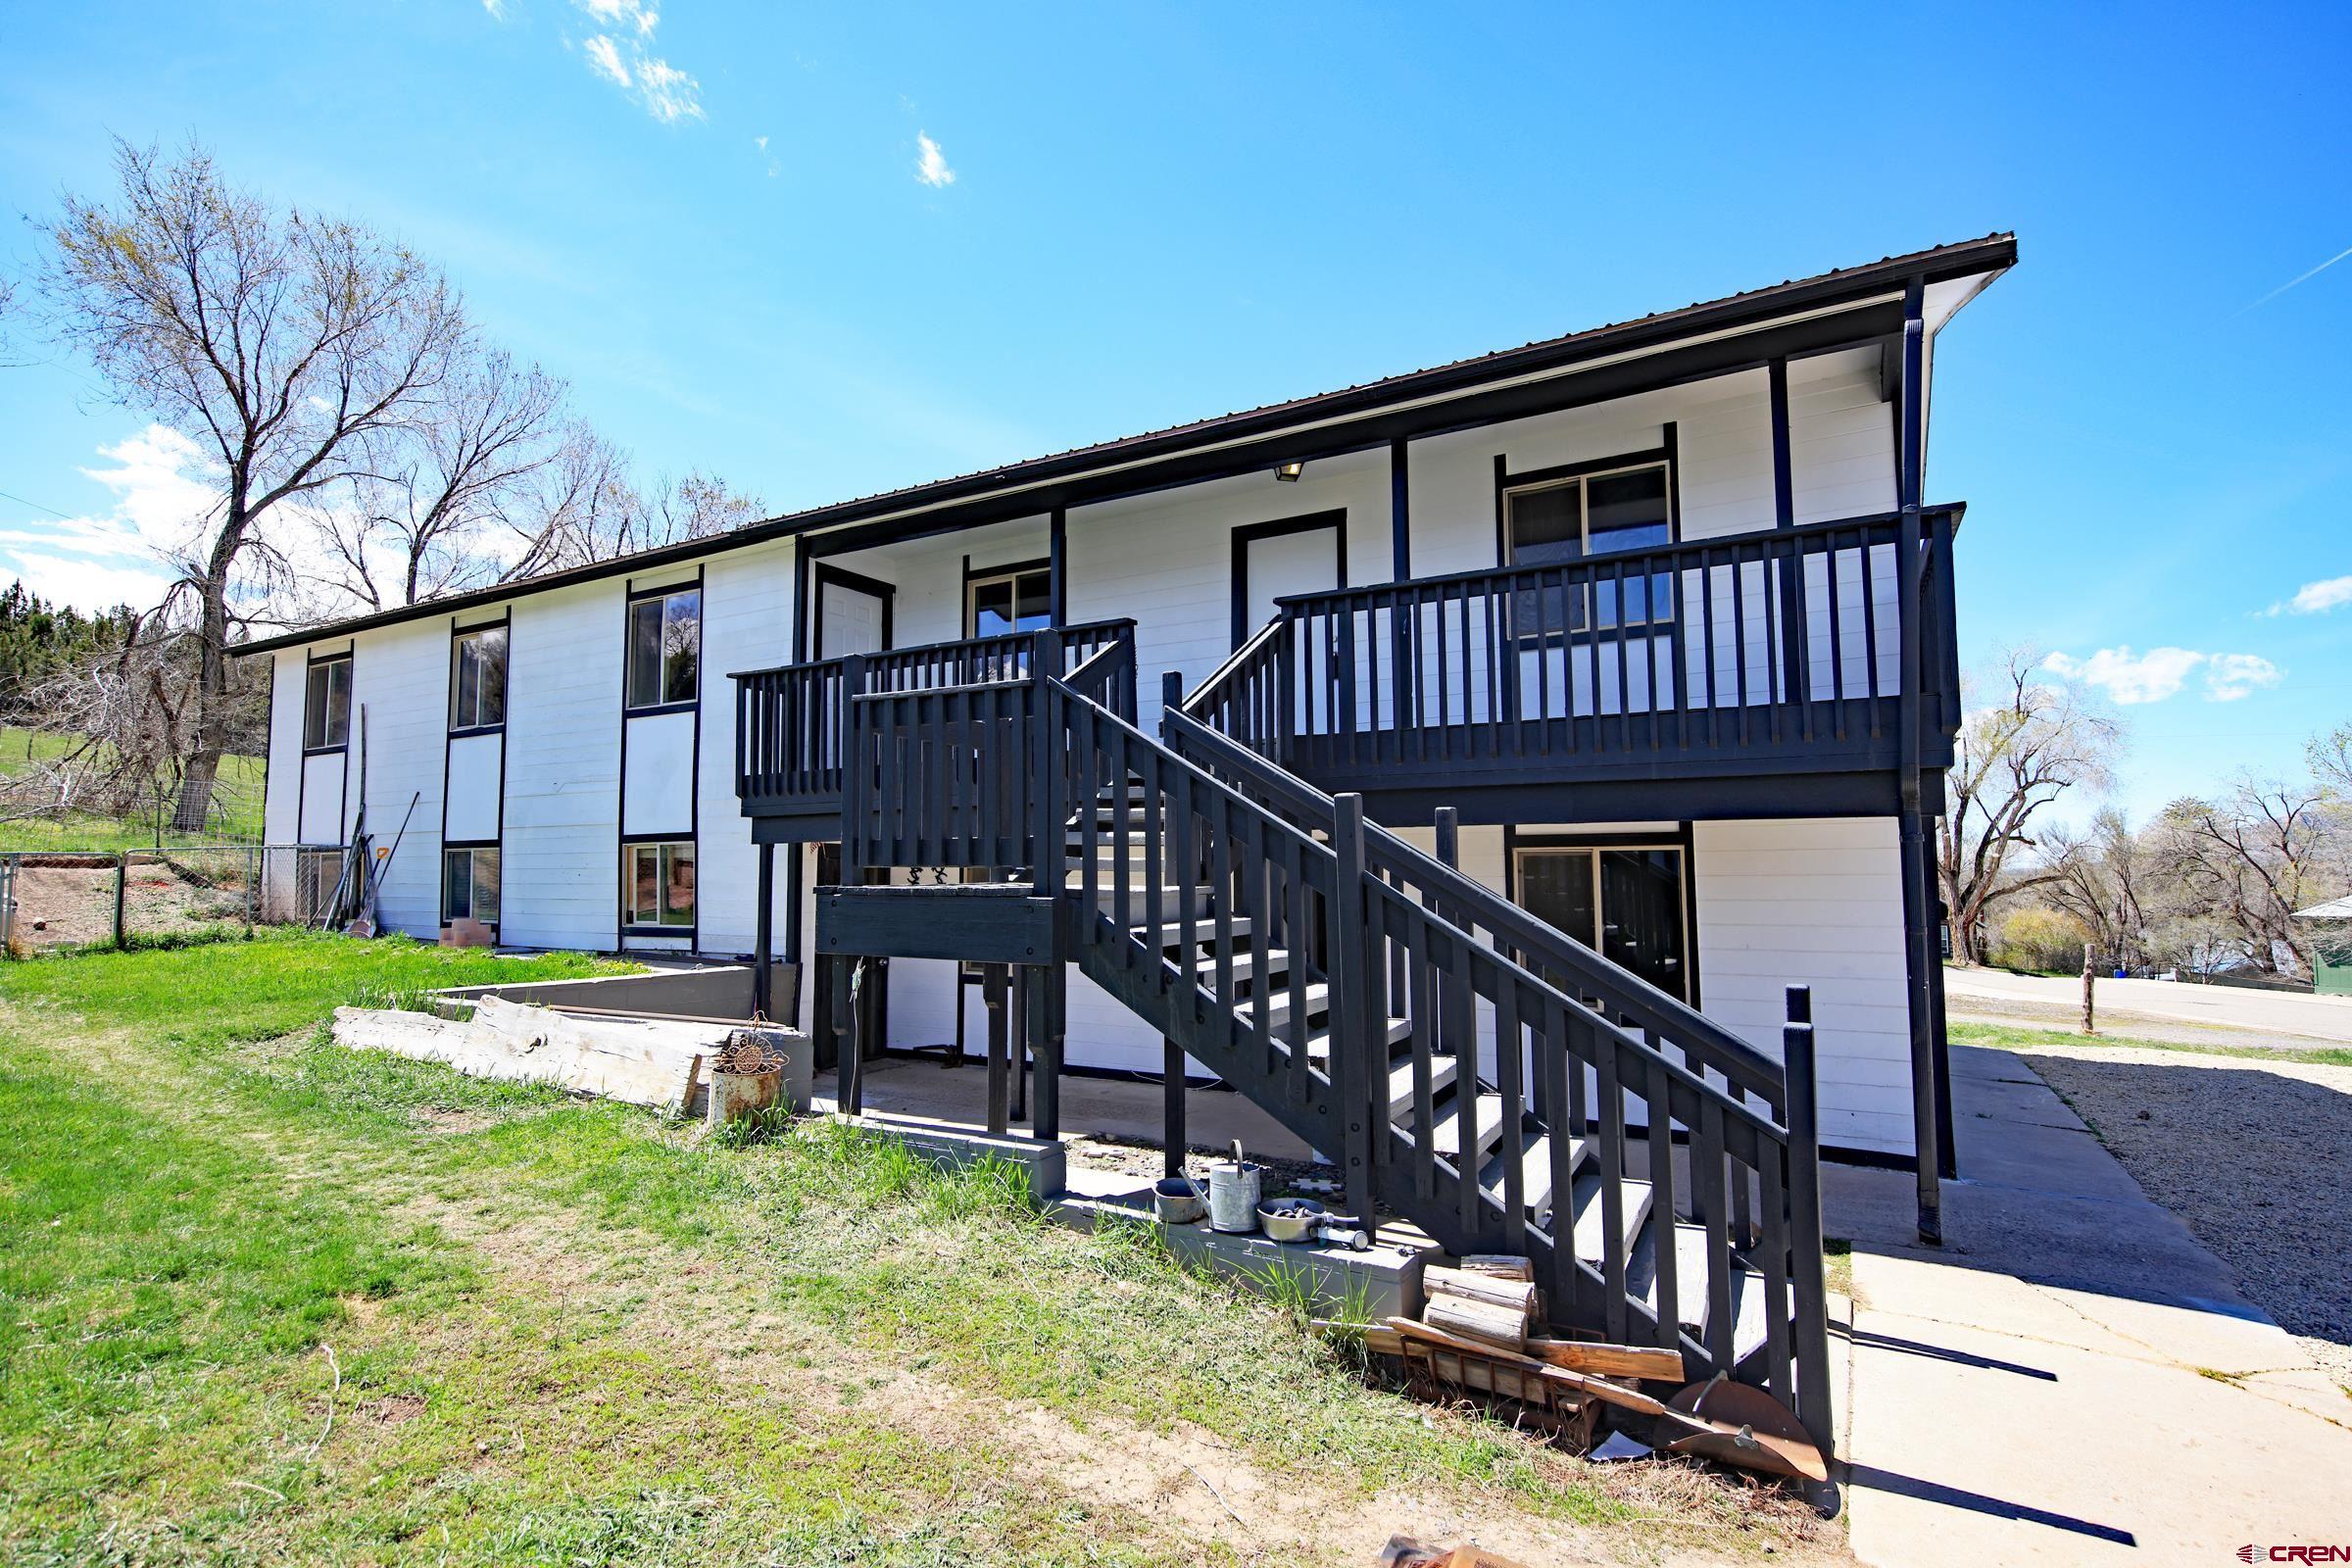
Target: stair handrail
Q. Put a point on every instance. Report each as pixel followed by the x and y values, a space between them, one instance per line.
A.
pixel 1522 935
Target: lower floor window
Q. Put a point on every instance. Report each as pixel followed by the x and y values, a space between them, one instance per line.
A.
pixel 658 884
pixel 470 885
pixel 316 872
pixel 1626 904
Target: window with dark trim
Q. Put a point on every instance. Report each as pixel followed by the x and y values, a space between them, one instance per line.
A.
pixel 656 885
pixel 470 883
pixel 1624 902
pixel 665 647
pixel 477 678
pixel 1572 517
pixel 1014 598
pixel 326 705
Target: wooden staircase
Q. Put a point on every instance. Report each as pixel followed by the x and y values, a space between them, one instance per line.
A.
pixel 1465 1068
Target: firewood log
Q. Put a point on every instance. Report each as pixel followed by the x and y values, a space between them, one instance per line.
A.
pixel 1482 1321
pixel 1517 1294
pixel 1498 1265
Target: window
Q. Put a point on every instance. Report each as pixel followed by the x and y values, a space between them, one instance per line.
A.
pixel 470 885
pixel 1556 522
pixel 315 873
pixel 1625 903
pixel 477 678
pixel 666 637
pixel 1015 599
pixel 657 885
pixel 326 705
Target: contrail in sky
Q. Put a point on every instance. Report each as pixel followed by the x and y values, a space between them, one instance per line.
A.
pixel 2293 282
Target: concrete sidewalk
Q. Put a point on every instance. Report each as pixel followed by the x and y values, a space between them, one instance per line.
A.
pixel 2074 1379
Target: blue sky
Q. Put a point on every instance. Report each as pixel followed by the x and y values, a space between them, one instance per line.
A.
pixel 749 255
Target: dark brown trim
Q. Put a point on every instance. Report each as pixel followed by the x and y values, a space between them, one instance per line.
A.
pixel 1783 482
pixel 1248 533
pixel 1057 551
pixel 1401 510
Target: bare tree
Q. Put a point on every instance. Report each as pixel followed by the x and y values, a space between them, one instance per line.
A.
pixel 587 508
pixel 279 340
pixel 2014 760
pixel 2330 759
pixel 2106 879
pixel 432 507
pixel 2254 858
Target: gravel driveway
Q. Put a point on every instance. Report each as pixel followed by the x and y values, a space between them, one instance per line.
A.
pixel 2252 1156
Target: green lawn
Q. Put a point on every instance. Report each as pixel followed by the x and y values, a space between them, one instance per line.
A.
pixel 2011 1037
pixel 237 806
pixel 262 1300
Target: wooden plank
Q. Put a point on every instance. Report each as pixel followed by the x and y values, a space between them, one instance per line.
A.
pixel 1610 1361
pixel 1599 1387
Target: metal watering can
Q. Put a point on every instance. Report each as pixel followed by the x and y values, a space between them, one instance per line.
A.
pixel 1232 1194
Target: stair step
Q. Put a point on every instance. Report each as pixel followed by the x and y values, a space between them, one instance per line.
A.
pixel 1588 1220
pixel 1690 1287
pixel 1171 935
pixel 1534 1171
pixel 1486 1127
pixel 1400 1079
pixel 1278 1005
pixel 1138 908
pixel 1245 963
pixel 1318 1045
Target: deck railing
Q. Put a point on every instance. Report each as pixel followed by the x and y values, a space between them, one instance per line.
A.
pixel 791 721
pixel 1778 648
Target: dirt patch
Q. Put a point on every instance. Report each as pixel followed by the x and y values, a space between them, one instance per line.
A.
pixel 70 905
pixel 2250 1154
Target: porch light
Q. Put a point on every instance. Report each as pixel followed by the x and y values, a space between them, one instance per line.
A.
pixel 1291 470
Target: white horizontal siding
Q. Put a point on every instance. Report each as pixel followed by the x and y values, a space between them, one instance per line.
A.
pixel 562 865
pixel 747 624
pixel 1816 902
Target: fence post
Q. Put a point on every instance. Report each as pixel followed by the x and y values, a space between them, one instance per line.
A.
pixel 122 889
pixel 1352 1070
pixel 2089 978
pixel 1812 1308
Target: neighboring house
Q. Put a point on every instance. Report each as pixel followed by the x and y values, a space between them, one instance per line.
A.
pixel 2330 946
pixel 1655 608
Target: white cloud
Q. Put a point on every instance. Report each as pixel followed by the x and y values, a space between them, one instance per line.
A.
pixel 165 493
pixel 628 62
pixel 496 8
pixel 775 165
pixel 2230 676
pixel 2315 597
pixel 2160 672
pixel 931 168
pixel 603 58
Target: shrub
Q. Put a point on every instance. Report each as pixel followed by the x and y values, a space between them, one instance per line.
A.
pixel 2037 941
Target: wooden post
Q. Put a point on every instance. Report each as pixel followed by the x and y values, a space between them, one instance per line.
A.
pixel 1805 1276
pixel 1047 1011
pixel 763 937
pixel 1171 1107
pixel 1352 1070
pixel 2089 978
pixel 1000 1063
pixel 848 1069
pixel 122 890
pixel 1449 837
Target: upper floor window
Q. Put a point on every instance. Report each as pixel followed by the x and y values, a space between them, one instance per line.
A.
pixel 477 678
pixel 665 647
pixel 1014 599
pixel 1553 521
pixel 326 705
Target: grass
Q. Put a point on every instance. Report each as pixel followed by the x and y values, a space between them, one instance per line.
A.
pixel 237 807
pixel 2009 1037
pixel 262 1300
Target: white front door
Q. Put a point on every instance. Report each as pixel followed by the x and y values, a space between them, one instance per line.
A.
pixel 1269 564
pixel 850 620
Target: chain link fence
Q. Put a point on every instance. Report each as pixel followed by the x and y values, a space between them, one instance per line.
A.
pixel 53 900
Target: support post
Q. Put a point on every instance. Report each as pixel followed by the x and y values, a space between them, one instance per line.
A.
pixel 2091 1019
pixel 121 893
pixel 1049 869
pixel 1171 1107
pixel 1400 512
pixel 1449 837
pixel 999 1074
pixel 1803 1186
pixel 849 1067
pixel 1352 1070
pixel 1918 939
pixel 763 937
